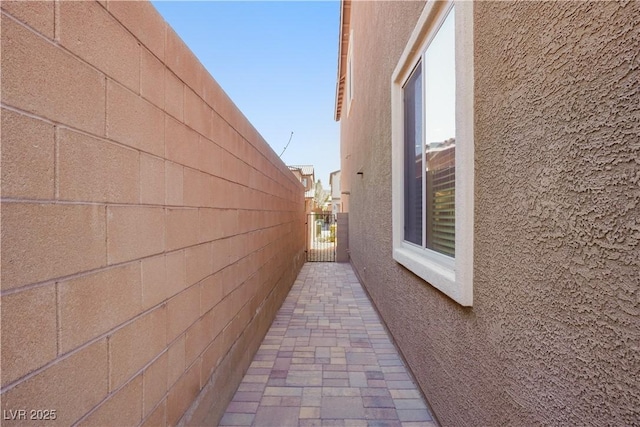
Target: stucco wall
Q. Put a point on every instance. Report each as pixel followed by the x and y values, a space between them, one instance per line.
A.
pixel 554 332
pixel 149 233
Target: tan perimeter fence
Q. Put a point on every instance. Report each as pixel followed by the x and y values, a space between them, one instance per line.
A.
pixel 149 233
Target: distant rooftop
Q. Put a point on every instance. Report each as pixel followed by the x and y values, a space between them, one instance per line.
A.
pixel 305 169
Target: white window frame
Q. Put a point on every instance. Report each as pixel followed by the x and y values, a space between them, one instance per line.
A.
pixel 452 276
pixel 349 74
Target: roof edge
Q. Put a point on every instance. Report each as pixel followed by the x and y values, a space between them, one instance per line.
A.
pixel 343 45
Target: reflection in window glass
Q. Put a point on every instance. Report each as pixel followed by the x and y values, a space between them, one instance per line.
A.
pixel 440 131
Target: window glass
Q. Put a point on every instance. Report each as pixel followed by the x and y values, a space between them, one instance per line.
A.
pixel 432 103
pixel 440 131
pixel 413 218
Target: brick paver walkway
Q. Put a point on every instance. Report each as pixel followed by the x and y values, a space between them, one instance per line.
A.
pixel 327 361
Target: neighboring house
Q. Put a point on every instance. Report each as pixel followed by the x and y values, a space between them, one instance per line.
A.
pixel 489 158
pixel 307 177
pixel 334 183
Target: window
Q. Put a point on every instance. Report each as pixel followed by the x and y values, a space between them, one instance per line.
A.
pixel 349 77
pixel 432 107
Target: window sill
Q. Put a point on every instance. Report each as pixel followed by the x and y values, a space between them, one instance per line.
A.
pixel 430 266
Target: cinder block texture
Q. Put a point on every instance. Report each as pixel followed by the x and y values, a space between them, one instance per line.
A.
pixel 182 228
pixel 175 360
pixel 133 346
pixel 45 241
pixel 122 408
pixel 173 95
pixel 181 311
pixel 72 386
pixel 92 305
pixel 93 170
pixel 27 157
pixel 29 338
pixel 152 180
pixel 60 87
pixel 90 32
pixel 158 417
pixel 145 24
pixel 134 121
pixel 147 228
pixel 151 78
pixel 182 395
pixel 197 114
pixel 38 15
pixel 181 143
pixel 155 383
pixel 134 232
pixel 174 183
pixel 182 61
pixel 176 272
pixel 154 281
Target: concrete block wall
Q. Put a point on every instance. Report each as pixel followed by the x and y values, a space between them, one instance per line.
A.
pixel 149 233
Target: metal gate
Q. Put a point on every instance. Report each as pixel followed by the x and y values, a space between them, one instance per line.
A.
pixel 321 237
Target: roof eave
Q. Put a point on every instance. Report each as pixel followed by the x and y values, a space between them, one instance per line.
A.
pixel 343 45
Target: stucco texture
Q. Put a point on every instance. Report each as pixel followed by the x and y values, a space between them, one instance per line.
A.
pixel 554 332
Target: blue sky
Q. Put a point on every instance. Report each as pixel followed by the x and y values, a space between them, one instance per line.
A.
pixel 278 63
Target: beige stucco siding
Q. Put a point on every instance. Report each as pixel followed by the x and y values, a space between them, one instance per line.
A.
pixel 553 333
